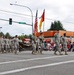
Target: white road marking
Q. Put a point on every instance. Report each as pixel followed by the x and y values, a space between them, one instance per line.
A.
pixel 31 59
pixel 35 67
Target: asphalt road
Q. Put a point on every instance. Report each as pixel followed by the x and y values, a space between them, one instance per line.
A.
pixel 27 64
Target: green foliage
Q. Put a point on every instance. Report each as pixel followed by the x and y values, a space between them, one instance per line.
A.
pixel 56 25
pixel 25 36
pixel 7 35
pixel 21 36
pixel 1 34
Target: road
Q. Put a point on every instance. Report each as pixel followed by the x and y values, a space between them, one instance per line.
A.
pixel 27 64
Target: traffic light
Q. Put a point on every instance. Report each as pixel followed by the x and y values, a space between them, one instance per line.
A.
pixel 10 21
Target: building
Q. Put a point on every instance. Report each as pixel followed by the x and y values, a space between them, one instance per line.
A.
pixel 50 34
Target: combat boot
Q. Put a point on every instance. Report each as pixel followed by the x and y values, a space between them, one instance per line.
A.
pixel 55 53
pixel 66 53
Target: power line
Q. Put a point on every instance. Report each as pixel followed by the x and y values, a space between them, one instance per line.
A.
pixel 14 13
pixel 33 16
pixel 15 22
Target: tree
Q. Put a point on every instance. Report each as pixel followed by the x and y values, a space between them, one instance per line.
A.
pixel 1 34
pixel 7 35
pixel 57 25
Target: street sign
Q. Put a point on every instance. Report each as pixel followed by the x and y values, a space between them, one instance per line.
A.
pixel 22 22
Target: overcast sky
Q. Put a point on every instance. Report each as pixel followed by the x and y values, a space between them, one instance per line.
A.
pixel 62 10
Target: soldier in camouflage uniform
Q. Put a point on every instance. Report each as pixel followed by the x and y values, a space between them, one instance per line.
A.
pixel 16 44
pixel 64 44
pixel 57 42
pixel 2 43
pixel 34 44
pixel 12 44
pixel 6 44
pixel 41 38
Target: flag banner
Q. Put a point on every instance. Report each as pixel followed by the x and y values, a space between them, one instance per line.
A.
pixel 42 19
pixel 36 23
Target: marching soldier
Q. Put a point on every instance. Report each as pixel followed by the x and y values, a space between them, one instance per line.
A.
pixel 34 44
pixel 6 40
pixel 2 43
pixel 57 42
pixel 16 44
pixel 41 38
pixel 12 44
pixel 64 43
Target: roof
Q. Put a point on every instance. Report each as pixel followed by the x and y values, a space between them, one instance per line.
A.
pixel 51 33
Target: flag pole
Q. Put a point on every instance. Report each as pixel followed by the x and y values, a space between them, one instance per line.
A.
pixel 44 21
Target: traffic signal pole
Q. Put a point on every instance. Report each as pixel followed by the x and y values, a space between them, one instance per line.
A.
pixel 30 11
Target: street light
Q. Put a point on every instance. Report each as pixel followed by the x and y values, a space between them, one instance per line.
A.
pixel 30 11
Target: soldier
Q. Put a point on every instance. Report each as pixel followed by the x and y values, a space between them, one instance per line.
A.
pixel 16 44
pixel 6 44
pixel 64 43
pixel 41 38
pixel 12 44
pixel 38 45
pixel 2 43
pixel 57 42
pixel 34 44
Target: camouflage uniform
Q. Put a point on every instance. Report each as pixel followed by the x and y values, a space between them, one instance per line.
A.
pixel 16 44
pixel 64 39
pixel 6 44
pixel 41 38
pixel 57 42
pixel 0 43
pixel 34 44
pixel 12 44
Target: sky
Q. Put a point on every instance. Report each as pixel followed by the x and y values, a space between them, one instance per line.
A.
pixel 62 10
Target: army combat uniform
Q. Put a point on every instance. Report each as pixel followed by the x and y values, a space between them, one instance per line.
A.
pixel 41 38
pixel 57 42
pixel 16 44
pixel 64 44
pixel 34 44
pixel 2 43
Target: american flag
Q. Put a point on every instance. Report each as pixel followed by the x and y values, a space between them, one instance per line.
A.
pixel 36 24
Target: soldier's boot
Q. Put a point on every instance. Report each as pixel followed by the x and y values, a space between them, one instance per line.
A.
pixel 55 53
pixel 2 50
pixel 60 53
pixel 33 52
pixel 15 51
pixel 66 53
pixel 8 50
pixel 38 51
pixel 41 52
